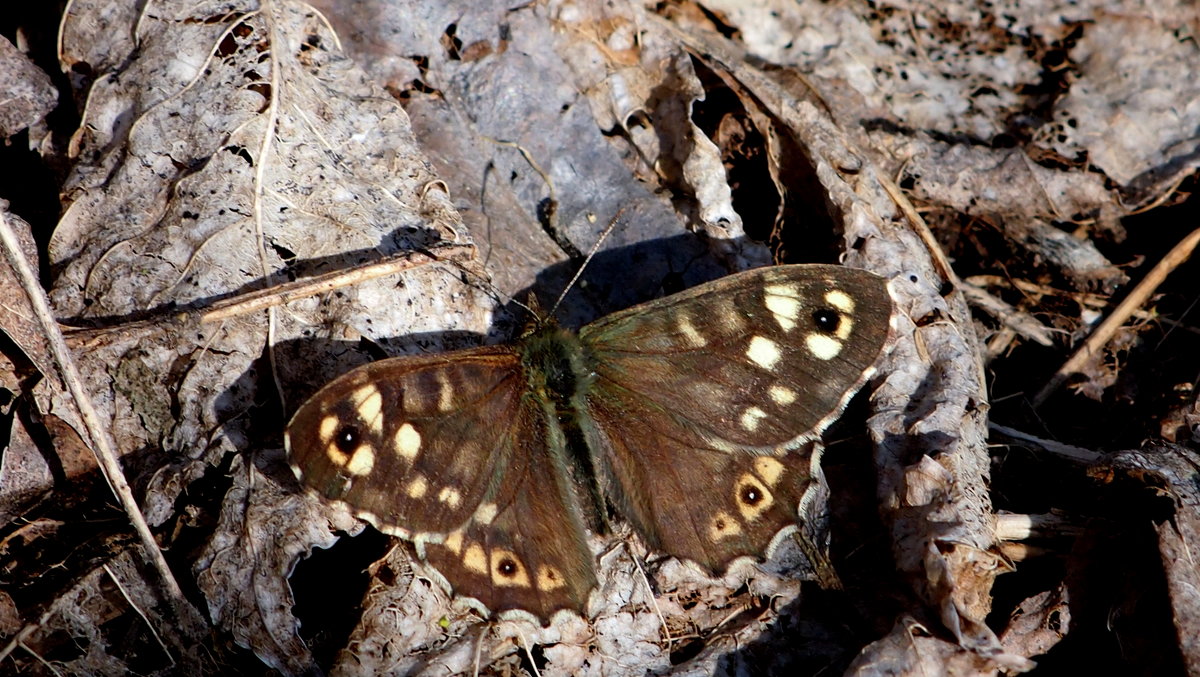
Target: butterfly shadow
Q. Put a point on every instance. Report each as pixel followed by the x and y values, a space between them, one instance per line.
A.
pixel 618 277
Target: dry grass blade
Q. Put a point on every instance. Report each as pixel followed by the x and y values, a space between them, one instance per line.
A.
pixel 1138 296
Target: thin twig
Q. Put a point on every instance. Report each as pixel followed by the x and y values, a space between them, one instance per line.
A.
pixel 637 562
pixel 100 444
pixel 1078 454
pixel 255 301
pixel 529 652
pixel 1106 329
pixel 138 609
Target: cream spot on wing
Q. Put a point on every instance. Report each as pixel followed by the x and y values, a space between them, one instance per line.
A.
pixel 485 513
pixel 408 442
pixel 327 429
pixel 549 578
pixel 368 401
pixel 840 300
pixel 693 337
pixel 769 468
pixel 751 417
pixel 454 542
pixel 475 559
pixel 450 496
pixel 361 461
pixel 445 392
pixel 764 352
pixel 723 526
pixel 507 570
pixel 844 328
pixel 781 395
pixel 751 497
pixel 823 347
pixel 417 487
pixel 336 456
pixel 784 303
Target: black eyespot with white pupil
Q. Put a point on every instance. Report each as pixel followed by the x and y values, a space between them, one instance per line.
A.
pixel 750 494
pixel 507 568
pixel 827 319
pixel 347 439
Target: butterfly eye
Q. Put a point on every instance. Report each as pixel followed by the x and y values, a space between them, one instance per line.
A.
pixel 827 319
pixel 347 439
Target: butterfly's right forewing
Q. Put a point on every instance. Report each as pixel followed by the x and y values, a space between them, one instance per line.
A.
pixel 454 453
pixel 413 445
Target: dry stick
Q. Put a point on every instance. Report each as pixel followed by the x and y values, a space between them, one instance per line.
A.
pixel 1098 338
pixel 145 619
pixel 100 444
pixel 1067 451
pixel 254 301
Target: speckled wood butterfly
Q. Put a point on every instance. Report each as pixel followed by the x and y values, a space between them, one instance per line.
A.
pixel 691 416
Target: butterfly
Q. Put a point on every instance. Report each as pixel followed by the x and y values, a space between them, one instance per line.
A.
pixel 691 417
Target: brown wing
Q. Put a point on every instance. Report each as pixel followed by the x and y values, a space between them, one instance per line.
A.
pixel 525 552
pixel 704 403
pixel 450 452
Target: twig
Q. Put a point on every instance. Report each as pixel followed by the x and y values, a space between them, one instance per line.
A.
pixel 138 609
pixel 100 445
pixel 529 652
pixel 1101 335
pixel 1067 451
pixel 254 301
pixel 650 592
pixel 41 660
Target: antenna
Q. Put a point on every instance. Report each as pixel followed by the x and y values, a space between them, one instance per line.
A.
pixel 587 259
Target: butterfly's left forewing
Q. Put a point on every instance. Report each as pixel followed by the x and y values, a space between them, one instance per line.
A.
pixel 715 394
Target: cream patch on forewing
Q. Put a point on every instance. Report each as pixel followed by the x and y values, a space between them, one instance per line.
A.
pixel 408 442
pixel 769 468
pixel 454 542
pixel 840 300
pixel 361 461
pixel 450 496
pixel 723 526
pixel 445 392
pixel 751 417
pixel 781 395
pixel 417 487
pixel 517 577
pixel 784 303
pixel 368 401
pixel 823 347
pixel 327 429
pixel 764 352
pixel 693 337
pixel 475 559
pixel 485 513
pixel 549 578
